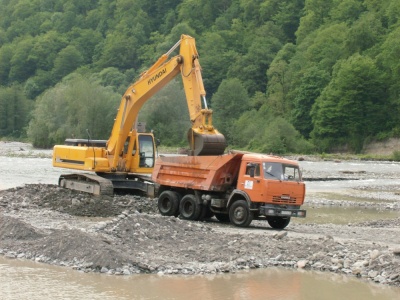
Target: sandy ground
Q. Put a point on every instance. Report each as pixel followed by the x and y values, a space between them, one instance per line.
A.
pixel 125 235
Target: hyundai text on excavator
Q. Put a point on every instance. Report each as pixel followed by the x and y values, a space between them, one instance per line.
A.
pixel 126 160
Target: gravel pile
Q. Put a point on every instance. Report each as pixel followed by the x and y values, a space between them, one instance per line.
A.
pixel 125 235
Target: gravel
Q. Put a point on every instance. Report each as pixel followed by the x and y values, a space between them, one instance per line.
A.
pixel 125 235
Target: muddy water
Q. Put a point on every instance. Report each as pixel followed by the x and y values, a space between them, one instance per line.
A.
pixel 29 280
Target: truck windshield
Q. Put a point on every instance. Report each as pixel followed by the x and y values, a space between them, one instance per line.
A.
pixel 278 171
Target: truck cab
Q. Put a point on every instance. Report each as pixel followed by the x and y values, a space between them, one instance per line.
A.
pixel 270 179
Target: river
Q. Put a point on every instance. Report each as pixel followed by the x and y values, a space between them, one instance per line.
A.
pixel 22 279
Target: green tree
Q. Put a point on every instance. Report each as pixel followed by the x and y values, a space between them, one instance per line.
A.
pixel 312 84
pixel 69 109
pixel 316 12
pixel 14 111
pixel 327 46
pixel 229 102
pixel 6 53
pixel 85 40
pixel 251 68
pixel 279 81
pixel 262 131
pixel 285 14
pixel 22 65
pixel 167 115
pixel 364 34
pixel 46 48
pixel 352 107
pixel 215 58
pixel 67 61
pixel 346 10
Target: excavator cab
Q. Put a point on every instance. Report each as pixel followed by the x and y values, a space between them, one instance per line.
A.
pixel 139 153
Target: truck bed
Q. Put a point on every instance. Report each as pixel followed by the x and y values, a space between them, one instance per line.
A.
pixel 212 173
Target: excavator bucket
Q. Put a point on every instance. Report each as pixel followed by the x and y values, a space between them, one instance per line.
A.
pixel 203 144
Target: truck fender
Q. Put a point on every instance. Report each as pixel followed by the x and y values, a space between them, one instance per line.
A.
pixel 238 194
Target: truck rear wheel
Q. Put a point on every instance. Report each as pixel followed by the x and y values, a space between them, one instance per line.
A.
pixel 168 203
pixel 189 208
pixel 278 222
pixel 240 214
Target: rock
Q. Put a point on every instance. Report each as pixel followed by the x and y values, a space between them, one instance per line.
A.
pixel 380 279
pixel 396 251
pixel 280 235
pixel 395 277
pixel 373 274
pixel 103 270
pixel 301 264
pixel 75 202
pixel 374 254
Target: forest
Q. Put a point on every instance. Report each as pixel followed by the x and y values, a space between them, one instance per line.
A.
pixel 282 76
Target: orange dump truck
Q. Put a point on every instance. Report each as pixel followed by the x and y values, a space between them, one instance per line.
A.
pixel 236 187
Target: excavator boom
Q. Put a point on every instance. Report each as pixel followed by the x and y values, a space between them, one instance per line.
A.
pixel 204 139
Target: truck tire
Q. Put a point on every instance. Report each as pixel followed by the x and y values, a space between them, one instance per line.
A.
pixel 168 203
pixel 189 208
pixel 278 222
pixel 223 218
pixel 240 214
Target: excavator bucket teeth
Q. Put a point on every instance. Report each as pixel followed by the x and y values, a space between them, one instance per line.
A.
pixel 208 144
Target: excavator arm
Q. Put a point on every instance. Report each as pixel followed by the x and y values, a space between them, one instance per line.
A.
pixel 204 139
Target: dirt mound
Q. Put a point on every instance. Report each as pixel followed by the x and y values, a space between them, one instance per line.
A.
pixel 12 228
pixel 72 202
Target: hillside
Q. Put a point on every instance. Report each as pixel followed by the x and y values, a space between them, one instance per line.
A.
pixel 281 76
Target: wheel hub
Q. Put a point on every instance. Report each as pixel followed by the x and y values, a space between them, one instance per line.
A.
pixel 239 213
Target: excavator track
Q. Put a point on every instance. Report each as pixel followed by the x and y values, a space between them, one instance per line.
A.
pixel 88 183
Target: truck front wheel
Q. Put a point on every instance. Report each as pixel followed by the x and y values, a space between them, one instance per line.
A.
pixel 240 214
pixel 189 208
pixel 278 222
pixel 168 203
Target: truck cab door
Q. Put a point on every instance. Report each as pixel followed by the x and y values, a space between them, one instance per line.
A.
pixel 252 182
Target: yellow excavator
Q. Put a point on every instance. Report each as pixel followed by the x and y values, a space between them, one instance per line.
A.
pixel 125 161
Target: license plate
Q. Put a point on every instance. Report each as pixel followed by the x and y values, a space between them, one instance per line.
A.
pixel 286 213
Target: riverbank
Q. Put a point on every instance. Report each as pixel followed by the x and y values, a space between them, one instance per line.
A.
pixel 125 235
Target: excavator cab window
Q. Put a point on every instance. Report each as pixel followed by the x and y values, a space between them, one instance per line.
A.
pixel 146 151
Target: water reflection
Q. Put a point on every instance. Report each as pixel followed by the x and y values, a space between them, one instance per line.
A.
pixel 344 215
pixel 29 280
